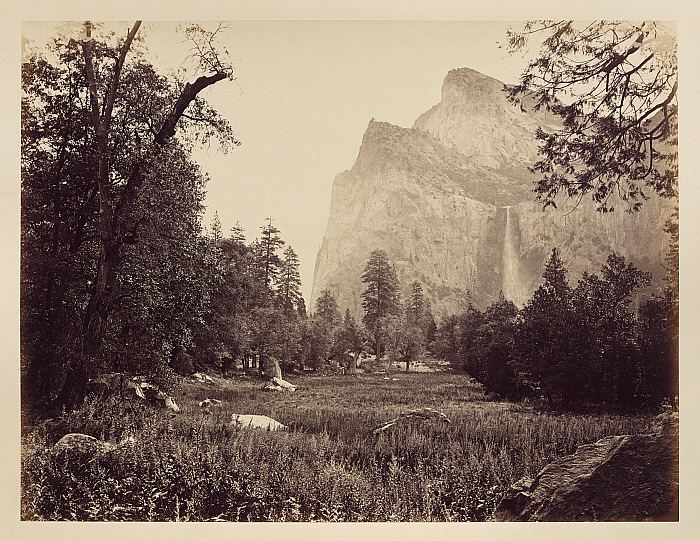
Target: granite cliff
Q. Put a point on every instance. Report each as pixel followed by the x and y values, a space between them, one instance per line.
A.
pixel 450 200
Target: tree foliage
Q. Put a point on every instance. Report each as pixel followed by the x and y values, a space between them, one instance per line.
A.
pixel 576 347
pixel 614 86
pixel 381 297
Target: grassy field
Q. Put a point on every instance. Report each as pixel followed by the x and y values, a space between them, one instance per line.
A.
pixel 329 466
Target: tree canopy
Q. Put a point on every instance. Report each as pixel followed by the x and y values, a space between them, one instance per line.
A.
pixel 614 86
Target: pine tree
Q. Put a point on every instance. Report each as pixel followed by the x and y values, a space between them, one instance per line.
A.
pixel 268 262
pixel 289 288
pixel 416 304
pixel 381 296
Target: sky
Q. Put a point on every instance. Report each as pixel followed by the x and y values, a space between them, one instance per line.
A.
pixel 303 96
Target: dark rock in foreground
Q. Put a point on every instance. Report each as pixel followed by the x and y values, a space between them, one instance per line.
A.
pixel 618 478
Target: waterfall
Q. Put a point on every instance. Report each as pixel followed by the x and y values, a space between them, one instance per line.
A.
pixel 511 263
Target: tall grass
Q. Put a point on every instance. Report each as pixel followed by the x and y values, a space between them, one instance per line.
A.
pixel 329 466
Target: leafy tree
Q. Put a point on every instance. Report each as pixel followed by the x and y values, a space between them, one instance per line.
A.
pixel 657 353
pixel 315 342
pixel 352 338
pixel 447 339
pixel 405 340
pixel 113 131
pixel 613 84
pixel 327 308
pixel 621 280
pixel 496 342
pixel 381 296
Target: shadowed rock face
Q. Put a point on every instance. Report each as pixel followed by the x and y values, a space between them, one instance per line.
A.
pixel 618 478
pixel 451 202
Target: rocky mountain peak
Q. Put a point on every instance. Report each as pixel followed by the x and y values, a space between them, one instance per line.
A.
pixel 475 117
pixel 450 200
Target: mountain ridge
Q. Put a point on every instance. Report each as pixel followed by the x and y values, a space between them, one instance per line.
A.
pixel 450 199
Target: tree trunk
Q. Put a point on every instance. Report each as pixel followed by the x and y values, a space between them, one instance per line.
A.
pixel 353 365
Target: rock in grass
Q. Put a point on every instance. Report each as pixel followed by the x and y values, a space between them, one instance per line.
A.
pixel 208 402
pixel 420 415
pixel 618 478
pixel 202 378
pixel 115 383
pixel 256 421
pixel 278 384
pixel 80 444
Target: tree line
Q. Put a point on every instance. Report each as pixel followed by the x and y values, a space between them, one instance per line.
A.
pixel 575 347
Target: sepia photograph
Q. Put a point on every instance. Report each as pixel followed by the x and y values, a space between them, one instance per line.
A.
pixel 349 270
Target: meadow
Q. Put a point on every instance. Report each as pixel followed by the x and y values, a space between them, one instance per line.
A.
pixel 329 465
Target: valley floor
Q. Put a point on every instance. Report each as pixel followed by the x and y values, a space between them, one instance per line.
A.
pixel 329 465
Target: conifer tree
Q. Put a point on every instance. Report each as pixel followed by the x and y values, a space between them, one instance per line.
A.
pixel 381 296
pixel 289 288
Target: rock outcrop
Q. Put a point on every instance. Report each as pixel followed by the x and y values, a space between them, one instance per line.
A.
pixel 451 202
pixel 618 478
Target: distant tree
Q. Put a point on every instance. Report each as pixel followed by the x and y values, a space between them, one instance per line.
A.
pixel 289 284
pixel 327 308
pixel 269 262
pixel 430 328
pixel 470 343
pixel 406 342
pixel 416 304
pixel 381 296
pixel 215 230
pixel 352 338
pixel 447 341
pixel 542 342
pixel 613 84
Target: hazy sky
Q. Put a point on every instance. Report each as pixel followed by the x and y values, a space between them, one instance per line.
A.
pixel 304 94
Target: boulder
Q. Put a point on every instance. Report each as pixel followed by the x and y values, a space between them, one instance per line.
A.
pixel 284 384
pixel 85 447
pixel 159 398
pixel 80 444
pixel 278 384
pixel 271 367
pixel 618 478
pixel 256 421
pixel 202 378
pixel 420 415
pixel 106 385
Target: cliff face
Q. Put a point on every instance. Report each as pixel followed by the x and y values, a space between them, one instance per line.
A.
pixel 450 201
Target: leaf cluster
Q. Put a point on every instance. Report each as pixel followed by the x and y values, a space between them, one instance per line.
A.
pixel 614 86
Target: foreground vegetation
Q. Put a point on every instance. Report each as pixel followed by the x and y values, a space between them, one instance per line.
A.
pixel 329 466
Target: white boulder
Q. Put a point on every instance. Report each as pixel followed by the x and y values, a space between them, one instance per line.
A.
pixel 256 421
